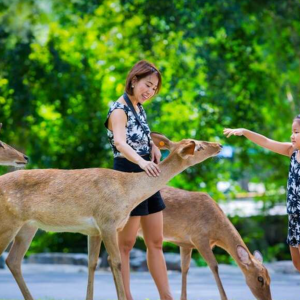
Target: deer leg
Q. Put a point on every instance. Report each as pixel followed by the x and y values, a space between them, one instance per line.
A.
pixel 111 245
pixel 19 248
pixel 7 234
pixel 94 244
pixel 206 252
pixel 185 254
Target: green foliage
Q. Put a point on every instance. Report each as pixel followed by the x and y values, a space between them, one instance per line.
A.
pixel 232 64
pixel 224 64
pixel 58 242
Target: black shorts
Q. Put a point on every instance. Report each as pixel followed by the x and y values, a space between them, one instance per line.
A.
pixel 151 205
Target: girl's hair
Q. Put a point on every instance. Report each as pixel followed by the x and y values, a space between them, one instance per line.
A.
pixel 141 70
pixel 297 119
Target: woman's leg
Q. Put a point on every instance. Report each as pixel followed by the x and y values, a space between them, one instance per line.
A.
pixel 126 241
pixel 152 226
pixel 295 252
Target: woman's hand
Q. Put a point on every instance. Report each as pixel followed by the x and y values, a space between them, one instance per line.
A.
pixel 155 154
pixel 149 167
pixel 229 132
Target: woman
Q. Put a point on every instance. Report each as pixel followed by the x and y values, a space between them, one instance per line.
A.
pixel 134 151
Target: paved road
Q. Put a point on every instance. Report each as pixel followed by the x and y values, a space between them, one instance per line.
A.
pixel 69 283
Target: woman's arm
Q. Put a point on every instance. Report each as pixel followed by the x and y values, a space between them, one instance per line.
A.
pixel 277 147
pixel 118 120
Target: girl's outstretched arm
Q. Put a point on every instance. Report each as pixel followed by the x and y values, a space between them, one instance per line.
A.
pixel 277 147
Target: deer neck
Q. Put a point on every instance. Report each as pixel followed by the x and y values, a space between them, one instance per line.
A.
pixel 229 241
pixel 141 186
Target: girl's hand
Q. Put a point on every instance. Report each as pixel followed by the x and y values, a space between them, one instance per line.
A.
pixel 149 167
pixel 155 154
pixel 229 132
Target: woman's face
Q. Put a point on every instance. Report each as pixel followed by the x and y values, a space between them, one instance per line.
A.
pixel 145 88
pixel 295 137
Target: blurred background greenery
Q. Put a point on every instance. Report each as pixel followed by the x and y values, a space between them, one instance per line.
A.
pixel 224 64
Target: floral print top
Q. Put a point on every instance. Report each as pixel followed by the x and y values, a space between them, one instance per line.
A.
pixel 135 135
pixel 293 187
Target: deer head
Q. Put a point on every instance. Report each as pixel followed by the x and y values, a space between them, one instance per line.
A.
pixel 191 151
pixel 10 156
pixel 256 274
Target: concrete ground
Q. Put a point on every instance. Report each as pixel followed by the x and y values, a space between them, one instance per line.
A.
pixel 69 282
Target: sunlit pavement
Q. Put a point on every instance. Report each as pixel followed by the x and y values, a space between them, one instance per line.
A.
pixel 69 282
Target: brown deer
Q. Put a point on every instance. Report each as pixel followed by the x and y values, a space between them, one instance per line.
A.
pixel 94 202
pixel 193 220
pixel 10 156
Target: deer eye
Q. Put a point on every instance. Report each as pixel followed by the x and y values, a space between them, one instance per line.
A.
pixel 261 280
pixel 199 147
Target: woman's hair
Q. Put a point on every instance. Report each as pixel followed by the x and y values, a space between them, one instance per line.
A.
pixel 297 119
pixel 141 70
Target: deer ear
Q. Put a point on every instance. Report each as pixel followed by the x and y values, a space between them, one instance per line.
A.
pixel 161 141
pixel 187 150
pixel 243 255
pixel 258 256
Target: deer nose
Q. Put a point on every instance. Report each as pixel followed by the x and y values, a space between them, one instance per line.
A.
pixel 26 158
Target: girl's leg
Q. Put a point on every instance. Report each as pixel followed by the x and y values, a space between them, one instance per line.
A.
pixel 126 241
pixel 152 226
pixel 295 252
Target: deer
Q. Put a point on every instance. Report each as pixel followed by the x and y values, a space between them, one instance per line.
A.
pixel 193 220
pixel 95 202
pixel 10 156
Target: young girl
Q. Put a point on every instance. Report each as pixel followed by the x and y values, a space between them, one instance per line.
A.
pixel 293 185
